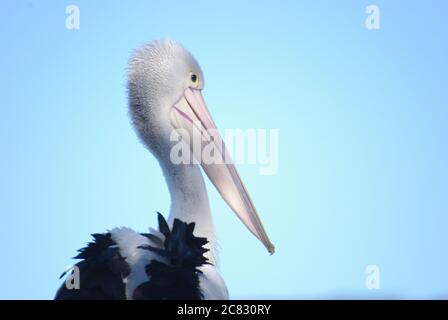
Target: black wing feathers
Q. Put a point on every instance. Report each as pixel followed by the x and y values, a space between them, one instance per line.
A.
pixel 178 276
pixel 101 272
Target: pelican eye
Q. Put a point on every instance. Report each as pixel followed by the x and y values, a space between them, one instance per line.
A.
pixel 194 78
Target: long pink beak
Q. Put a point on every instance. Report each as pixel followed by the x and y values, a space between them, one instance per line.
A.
pixel 191 118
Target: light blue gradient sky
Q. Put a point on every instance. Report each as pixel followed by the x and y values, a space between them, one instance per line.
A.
pixel 363 125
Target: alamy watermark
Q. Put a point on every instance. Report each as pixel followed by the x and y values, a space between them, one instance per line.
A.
pixel 73 280
pixel 73 18
pixel 248 146
pixel 373 278
pixel 372 21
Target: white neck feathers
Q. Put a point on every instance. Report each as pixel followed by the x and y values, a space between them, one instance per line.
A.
pixel 189 201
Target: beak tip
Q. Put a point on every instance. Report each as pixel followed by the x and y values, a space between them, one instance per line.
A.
pixel 271 249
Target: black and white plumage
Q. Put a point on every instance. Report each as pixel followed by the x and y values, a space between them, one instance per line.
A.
pixel 101 271
pixel 173 275
pixel 167 110
pixel 178 276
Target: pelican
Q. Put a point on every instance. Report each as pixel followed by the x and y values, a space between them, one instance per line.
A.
pixel 179 260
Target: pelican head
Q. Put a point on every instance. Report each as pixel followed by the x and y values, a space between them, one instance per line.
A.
pixel 165 84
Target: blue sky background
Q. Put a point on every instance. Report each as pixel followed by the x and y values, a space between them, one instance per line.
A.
pixel 362 117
